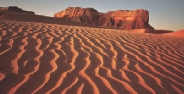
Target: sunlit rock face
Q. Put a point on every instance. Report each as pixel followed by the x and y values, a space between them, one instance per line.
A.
pixel 120 19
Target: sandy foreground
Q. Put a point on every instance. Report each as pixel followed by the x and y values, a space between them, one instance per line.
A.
pixel 39 58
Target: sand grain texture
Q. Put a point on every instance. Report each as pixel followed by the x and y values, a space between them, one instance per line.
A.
pixel 40 58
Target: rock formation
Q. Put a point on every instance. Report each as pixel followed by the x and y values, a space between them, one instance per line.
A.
pixel 15 9
pixel 120 19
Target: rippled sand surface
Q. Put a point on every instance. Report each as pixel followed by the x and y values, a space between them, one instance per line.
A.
pixel 40 58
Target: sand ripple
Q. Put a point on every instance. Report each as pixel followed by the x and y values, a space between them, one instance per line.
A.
pixel 37 58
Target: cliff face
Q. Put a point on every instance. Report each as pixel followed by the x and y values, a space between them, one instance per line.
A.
pixel 121 19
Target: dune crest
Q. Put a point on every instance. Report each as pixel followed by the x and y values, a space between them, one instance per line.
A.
pixel 179 33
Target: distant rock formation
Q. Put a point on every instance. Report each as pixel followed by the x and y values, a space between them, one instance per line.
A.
pixel 15 9
pixel 120 19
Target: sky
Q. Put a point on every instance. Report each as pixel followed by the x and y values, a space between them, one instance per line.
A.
pixel 163 14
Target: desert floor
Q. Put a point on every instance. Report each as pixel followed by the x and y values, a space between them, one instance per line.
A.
pixel 40 58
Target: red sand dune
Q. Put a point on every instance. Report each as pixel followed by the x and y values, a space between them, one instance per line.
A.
pixel 157 31
pixel 41 58
pixel 179 33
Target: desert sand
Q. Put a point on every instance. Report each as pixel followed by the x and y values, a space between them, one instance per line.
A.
pixel 43 58
pixel 179 33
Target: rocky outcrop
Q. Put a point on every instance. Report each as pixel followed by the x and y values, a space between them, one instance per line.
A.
pixel 121 19
pixel 15 9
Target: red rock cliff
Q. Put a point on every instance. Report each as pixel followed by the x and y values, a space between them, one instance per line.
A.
pixel 121 19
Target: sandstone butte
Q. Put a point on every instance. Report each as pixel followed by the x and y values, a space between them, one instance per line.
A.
pixel 14 9
pixel 120 19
